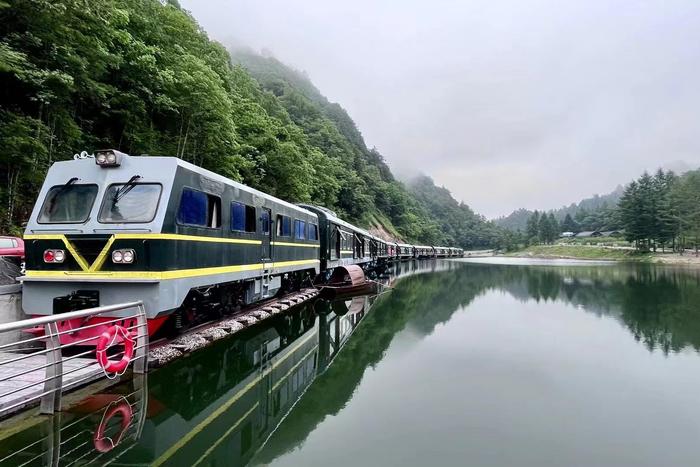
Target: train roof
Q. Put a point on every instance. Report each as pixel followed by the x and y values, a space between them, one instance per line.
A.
pixel 331 216
pixel 214 176
pixel 152 169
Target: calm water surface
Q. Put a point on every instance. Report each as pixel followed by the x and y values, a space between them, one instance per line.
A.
pixel 460 364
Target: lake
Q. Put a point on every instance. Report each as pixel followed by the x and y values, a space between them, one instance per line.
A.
pixel 460 363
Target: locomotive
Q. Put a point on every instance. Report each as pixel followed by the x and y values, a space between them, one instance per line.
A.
pixel 186 241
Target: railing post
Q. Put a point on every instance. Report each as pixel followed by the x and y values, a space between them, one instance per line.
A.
pixel 141 363
pixel 141 388
pixel 51 400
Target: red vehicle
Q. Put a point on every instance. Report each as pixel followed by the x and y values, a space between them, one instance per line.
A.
pixel 12 248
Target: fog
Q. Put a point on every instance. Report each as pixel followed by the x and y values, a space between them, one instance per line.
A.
pixel 507 103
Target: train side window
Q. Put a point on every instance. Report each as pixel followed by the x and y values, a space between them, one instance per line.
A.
pixel 299 229
pixel 242 217
pixel 199 208
pixel 313 232
pixel 284 226
pixel 265 221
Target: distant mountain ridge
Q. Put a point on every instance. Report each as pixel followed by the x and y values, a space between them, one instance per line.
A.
pixel 517 220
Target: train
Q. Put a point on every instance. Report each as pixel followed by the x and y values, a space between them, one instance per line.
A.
pixel 112 228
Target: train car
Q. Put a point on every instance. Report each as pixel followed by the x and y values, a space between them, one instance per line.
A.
pixel 424 251
pixel 392 250
pixel 442 251
pixel 341 242
pixel 377 248
pixel 405 251
pixel 118 228
pixel 382 249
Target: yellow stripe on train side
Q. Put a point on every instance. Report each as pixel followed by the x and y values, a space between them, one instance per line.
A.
pixel 306 245
pixel 226 405
pixel 191 238
pixel 164 275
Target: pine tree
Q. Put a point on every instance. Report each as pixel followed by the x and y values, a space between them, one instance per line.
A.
pixel 630 214
pixel 666 226
pixel 554 228
pixel 544 228
pixel 568 224
pixel 646 210
pixel 533 228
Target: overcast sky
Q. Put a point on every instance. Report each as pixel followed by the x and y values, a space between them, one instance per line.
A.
pixel 507 103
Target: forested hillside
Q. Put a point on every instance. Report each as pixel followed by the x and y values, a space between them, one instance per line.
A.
pixel 141 76
pixel 456 220
pixel 587 212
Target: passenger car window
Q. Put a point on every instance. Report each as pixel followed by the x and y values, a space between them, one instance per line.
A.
pixel 313 232
pixel 299 229
pixel 242 217
pixel 265 221
pixel 199 208
pixel 133 203
pixel 67 204
pixel 284 226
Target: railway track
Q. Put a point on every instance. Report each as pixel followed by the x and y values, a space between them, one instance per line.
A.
pixel 164 350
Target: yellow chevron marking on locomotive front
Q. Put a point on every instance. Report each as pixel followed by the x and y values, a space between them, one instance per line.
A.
pixel 294 244
pixel 104 254
pixel 74 253
pixel 223 408
pixel 163 275
pixel 77 256
pixel 100 260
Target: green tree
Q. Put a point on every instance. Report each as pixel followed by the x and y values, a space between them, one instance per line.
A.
pixel 533 227
pixel 554 228
pixel 568 224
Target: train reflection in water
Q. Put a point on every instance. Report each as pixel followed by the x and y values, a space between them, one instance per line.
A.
pixel 215 407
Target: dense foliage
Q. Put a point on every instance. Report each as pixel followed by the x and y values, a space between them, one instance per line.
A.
pixel 590 214
pixel 661 210
pixel 653 211
pixel 141 76
pixel 542 228
pixel 457 222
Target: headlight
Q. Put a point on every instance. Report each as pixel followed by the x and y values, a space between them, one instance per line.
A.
pixel 123 256
pixel 108 158
pixel 54 256
pixel 128 256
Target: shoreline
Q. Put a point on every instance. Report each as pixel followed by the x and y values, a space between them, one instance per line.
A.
pixel 597 254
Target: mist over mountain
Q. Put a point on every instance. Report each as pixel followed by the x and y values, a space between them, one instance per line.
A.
pixel 370 194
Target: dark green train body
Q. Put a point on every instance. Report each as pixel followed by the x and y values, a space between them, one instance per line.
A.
pixel 116 228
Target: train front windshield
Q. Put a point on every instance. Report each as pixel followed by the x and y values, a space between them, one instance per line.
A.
pixel 69 203
pixel 130 203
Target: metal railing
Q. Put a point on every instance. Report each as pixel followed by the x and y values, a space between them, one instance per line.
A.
pixel 42 367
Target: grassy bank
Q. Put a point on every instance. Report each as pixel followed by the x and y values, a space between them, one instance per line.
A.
pixel 581 252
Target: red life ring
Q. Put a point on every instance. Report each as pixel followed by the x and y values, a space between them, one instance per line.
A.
pixel 108 338
pixel 105 444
